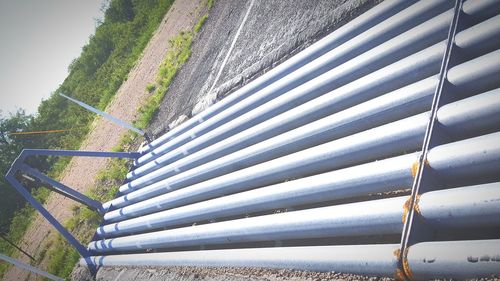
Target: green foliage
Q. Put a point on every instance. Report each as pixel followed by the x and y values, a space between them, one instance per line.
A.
pixel 210 4
pixel 62 256
pixel 150 88
pixel 178 53
pixel 93 78
pixel 200 23
pixel 18 227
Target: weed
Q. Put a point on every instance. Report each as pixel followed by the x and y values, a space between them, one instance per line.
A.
pixel 150 88
pixel 200 23
pixel 210 3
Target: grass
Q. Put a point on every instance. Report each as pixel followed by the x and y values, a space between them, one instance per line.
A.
pixel 200 23
pixel 150 88
pixel 20 223
pixel 62 256
pixel 178 53
pixel 210 4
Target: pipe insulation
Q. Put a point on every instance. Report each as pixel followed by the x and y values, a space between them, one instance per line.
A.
pixel 380 142
pixel 478 155
pixel 349 61
pixel 351 29
pixel 376 217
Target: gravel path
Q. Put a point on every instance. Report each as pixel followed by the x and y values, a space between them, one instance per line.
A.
pixel 273 31
pixel 179 273
pixel 81 172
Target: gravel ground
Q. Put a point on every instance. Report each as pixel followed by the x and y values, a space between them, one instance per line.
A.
pixel 213 274
pixel 274 30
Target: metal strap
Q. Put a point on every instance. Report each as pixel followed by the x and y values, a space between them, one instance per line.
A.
pixel 419 177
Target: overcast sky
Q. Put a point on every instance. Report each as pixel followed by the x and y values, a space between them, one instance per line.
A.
pixel 38 41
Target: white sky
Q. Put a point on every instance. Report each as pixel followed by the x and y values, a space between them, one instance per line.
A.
pixel 38 41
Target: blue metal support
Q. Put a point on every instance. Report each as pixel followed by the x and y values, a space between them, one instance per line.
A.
pixel 63 189
pixel 39 207
pixel 19 166
pixel 30 268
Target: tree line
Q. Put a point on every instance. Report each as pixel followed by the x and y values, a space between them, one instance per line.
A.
pixel 94 77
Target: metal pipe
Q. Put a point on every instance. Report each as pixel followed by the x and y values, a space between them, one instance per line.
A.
pixel 345 66
pixel 485 66
pixel 362 147
pixel 459 260
pixel 427 260
pixel 26 266
pixel 490 32
pixel 404 102
pixel 466 207
pixel 108 116
pixel 376 217
pixel 349 30
pixel 63 189
pixel 479 80
pixel 379 176
pixel 373 260
pixel 487 8
pixel 376 143
pixel 366 87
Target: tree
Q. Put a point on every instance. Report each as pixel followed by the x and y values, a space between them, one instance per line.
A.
pixel 10 147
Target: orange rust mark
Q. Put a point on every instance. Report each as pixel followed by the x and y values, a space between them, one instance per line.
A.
pixel 406 209
pixel 416 207
pixel 399 275
pixel 397 253
pixel 406 266
pixel 414 169
pixel 415 165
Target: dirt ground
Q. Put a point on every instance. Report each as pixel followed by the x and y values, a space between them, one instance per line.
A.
pixel 81 172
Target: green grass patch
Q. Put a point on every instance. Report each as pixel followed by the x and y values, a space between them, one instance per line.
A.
pixel 150 88
pixel 200 23
pixel 178 53
pixel 20 222
pixel 210 4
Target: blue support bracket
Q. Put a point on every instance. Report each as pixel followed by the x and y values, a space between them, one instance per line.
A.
pixel 19 165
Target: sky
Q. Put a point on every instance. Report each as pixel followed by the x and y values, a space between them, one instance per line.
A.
pixel 38 41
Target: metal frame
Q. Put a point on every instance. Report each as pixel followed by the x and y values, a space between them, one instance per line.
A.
pixel 413 230
pixel 19 165
pixel 30 268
